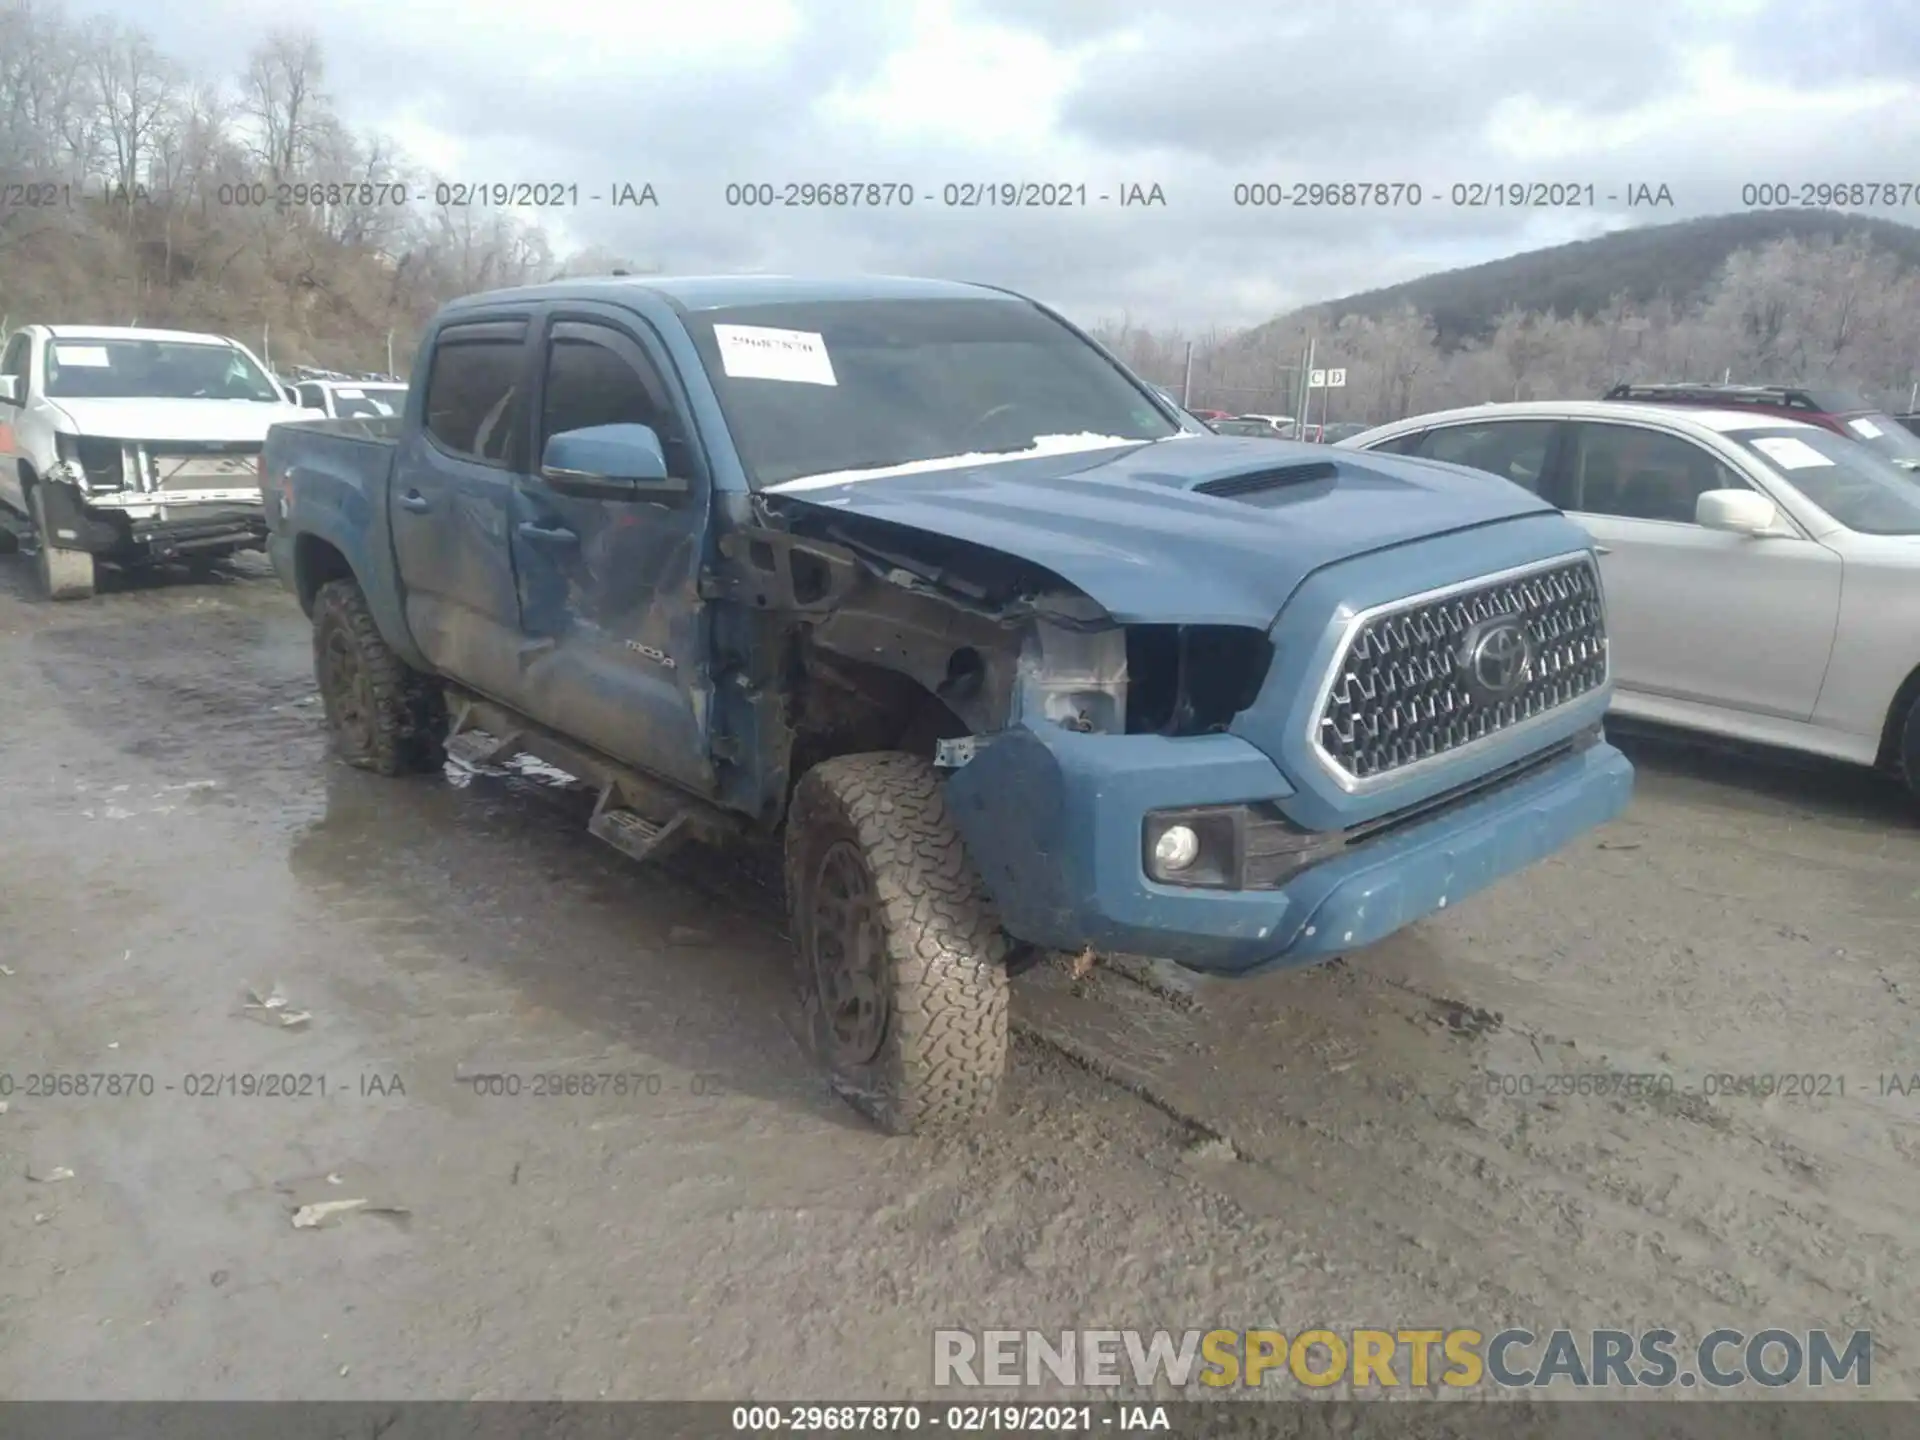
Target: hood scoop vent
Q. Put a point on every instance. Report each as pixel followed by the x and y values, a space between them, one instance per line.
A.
pixel 1232 487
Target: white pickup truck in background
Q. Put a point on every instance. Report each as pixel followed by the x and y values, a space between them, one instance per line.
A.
pixel 351 399
pixel 133 447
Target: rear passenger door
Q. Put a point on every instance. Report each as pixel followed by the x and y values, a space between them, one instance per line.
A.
pixel 609 589
pixel 450 499
pixel 1697 615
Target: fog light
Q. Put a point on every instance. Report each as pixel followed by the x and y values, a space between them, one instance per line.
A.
pixel 1176 849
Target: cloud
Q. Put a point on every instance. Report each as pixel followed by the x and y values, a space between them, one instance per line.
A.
pixel 1704 98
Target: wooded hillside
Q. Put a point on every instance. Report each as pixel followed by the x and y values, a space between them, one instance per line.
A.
pixel 124 178
pixel 1800 298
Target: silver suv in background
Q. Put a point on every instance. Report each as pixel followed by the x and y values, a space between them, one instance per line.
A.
pixel 1762 574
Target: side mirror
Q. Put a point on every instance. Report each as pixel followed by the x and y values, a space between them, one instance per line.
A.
pixel 10 389
pixel 610 462
pixel 1740 512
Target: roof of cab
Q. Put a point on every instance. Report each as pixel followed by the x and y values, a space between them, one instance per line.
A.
pixel 719 292
pixel 133 332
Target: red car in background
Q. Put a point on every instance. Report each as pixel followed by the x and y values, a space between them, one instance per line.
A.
pixel 1840 411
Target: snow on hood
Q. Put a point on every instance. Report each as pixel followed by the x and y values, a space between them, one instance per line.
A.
pixel 152 418
pixel 1042 445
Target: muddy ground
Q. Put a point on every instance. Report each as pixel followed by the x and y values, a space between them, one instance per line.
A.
pixel 1315 1148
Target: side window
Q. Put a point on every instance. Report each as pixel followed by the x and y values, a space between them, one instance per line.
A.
pixel 597 376
pixel 1514 450
pixel 310 397
pixel 1404 444
pixel 15 363
pixel 473 400
pixel 1640 474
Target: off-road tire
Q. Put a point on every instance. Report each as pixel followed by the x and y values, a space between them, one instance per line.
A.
pixel 64 574
pixel 936 947
pixel 1909 751
pixel 382 714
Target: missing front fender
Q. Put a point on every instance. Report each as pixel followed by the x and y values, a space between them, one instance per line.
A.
pixel 774 570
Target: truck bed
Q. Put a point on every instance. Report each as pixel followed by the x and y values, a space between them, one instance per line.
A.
pixel 376 429
pixel 343 469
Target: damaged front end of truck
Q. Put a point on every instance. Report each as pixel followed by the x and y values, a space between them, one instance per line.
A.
pixel 136 501
pixel 1226 723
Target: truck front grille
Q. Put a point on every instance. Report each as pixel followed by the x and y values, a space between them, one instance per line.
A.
pixel 1430 675
pixel 174 465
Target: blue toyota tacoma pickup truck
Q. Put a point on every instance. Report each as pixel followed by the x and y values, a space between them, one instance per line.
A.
pixel 1013 654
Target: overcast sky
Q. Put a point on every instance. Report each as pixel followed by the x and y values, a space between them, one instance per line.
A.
pixel 691 95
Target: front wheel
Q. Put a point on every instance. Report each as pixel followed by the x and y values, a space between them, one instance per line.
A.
pixel 901 959
pixel 382 715
pixel 1910 748
pixel 64 574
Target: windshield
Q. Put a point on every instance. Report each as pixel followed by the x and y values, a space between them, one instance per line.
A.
pixel 354 401
pixel 1858 488
pixel 1886 435
pixel 154 369
pixel 814 389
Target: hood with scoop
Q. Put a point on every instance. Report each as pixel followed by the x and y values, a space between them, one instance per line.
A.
pixel 1192 530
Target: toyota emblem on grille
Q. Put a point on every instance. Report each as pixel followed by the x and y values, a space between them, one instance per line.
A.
pixel 1498 656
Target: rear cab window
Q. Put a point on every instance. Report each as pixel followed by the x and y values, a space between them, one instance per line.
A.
pixel 474 405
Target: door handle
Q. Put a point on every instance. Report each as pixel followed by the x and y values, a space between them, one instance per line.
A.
pixel 415 503
pixel 542 535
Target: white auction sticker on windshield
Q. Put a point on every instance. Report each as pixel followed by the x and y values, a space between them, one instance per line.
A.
pixel 758 352
pixel 1789 453
pixel 1866 428
pixel 346 394
pixel 85 357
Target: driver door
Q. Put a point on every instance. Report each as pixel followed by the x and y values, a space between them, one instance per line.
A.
pixel 14 365
pixel 609 589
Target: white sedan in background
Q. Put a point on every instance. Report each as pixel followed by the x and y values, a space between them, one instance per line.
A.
pixel 1762 575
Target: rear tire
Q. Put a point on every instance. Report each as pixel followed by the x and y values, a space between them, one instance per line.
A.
pixel 901 960
pixel 382 714
pixel 1910 749
pixel 64 574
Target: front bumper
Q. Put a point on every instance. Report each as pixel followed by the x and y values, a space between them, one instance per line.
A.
pixel 175 528
pixel 1054 824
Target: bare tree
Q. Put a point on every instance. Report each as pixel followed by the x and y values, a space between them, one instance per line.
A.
pixel 135 88
pixel 281 95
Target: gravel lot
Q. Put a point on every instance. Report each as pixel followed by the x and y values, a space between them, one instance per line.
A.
pixel 1318 1148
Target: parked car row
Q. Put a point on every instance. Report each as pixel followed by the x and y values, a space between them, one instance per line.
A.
pixel 1280 427
pixel 1761 551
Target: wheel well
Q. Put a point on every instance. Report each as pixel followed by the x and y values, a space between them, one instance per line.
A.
pixel 1904 699
pixel 848 707
pixel 316 563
